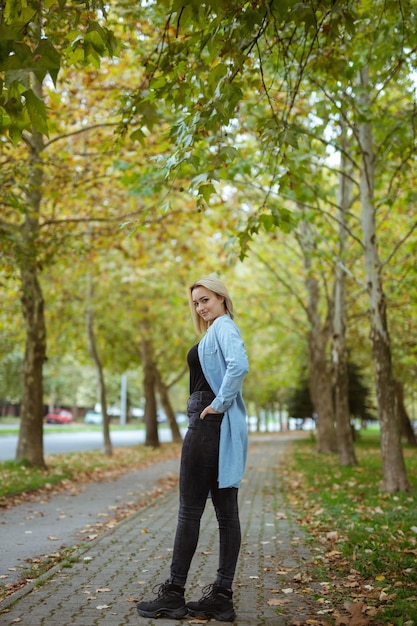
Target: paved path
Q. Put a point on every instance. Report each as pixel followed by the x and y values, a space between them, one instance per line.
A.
pixel 106 577
pixel 46 524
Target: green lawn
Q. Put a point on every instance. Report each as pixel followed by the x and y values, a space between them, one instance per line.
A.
pixel 364 540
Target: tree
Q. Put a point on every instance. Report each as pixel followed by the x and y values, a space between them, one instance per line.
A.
pixel 30 442
pixel 35 39
pixel 395 475
pixel 242 104
pixel 25 61
pixel 101 385
pixel 345 447
pixel 319 334
pixel 261 30
pixel 300 404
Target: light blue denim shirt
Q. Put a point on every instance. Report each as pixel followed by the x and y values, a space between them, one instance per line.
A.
pixel 225 364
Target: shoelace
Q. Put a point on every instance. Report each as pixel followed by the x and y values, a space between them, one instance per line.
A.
pixel 208 592
pixel 161 589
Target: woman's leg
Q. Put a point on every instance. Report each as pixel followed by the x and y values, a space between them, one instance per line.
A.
pixel 217 601
pixel 198 476
pixel 227 511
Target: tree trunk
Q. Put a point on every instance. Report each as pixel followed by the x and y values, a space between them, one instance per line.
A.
pixel 321 392
pixel 405 423
pixel 166 405
pixel 393 465
pixel 30 441
pixel 339 357
pixel 320 383
pixel 107 445
pixel 149 383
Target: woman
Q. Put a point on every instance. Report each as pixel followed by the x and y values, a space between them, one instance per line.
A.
pixel 213 456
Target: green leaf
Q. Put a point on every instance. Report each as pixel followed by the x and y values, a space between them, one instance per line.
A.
pixel 15 134
pixel 148 112
pixel 95 39
pixel 267 221
pixel 158 82
pixel 47 60
pixel 206 191
pixel 216 76
pixel 138 135
pixel 37 112
pixel 4 120
pixel 74 36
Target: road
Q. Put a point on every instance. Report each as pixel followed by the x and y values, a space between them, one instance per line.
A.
pixel 60 443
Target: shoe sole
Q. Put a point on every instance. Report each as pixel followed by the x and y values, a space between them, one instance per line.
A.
pixel 170 613
pixel 221 617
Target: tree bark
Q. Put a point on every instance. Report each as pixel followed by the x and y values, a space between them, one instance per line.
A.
pixel 320 383
pixel 149 384
pixel 393 465
pixel 344 431
pixel 101 385
pixel 167 406
pixel 405 423
pixel 30 441
pixel 321 392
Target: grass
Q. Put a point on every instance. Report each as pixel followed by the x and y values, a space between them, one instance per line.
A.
pixel 364 540
pixel 17 479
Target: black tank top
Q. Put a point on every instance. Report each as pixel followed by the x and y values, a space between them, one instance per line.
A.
pixel 198 381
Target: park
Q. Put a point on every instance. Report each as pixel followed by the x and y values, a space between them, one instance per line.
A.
pixel 272 145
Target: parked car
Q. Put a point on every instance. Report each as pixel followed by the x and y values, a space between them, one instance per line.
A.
pixel 60 416
pixel 93 417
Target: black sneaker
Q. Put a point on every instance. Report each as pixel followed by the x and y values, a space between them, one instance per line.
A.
pixel 168 603
pixel 216 602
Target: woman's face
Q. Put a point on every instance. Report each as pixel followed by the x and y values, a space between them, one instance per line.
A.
pixel 208 304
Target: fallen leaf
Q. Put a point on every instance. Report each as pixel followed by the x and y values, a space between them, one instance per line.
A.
pixel 53 538
pixel 277 601
pixel 356 616
pixel 102 590
pixel 333 535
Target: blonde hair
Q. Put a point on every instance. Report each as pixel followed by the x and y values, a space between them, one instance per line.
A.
pixel 212 283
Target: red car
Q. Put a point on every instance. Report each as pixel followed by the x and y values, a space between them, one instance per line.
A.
pixel 59 417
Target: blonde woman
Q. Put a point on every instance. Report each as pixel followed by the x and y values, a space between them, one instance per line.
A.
pixel 213 456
